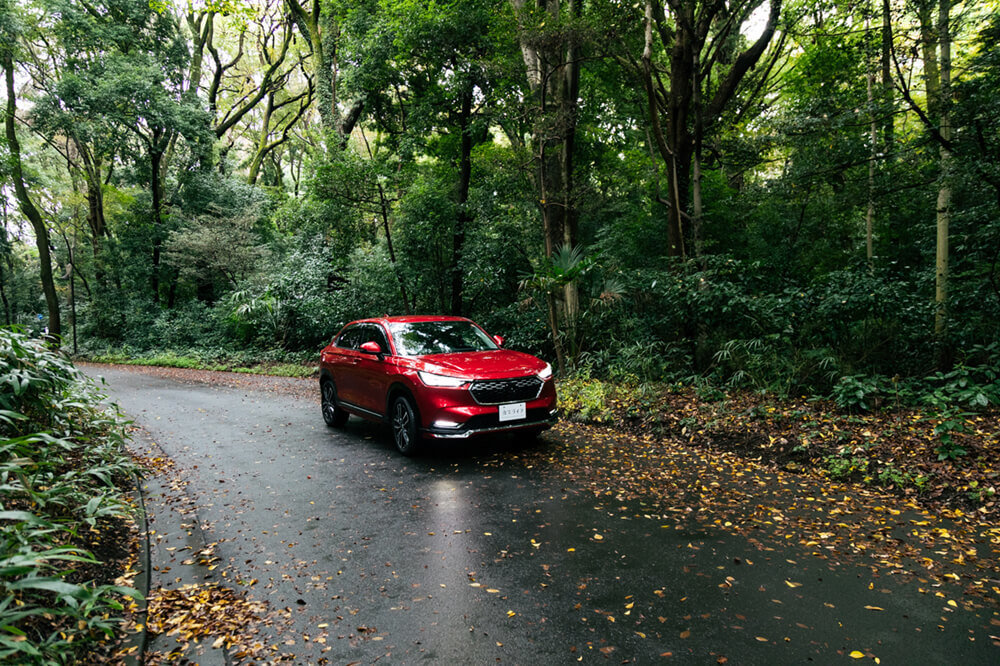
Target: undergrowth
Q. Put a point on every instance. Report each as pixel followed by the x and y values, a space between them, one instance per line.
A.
pixel 280 365
pixel 940 449
pixel 64 481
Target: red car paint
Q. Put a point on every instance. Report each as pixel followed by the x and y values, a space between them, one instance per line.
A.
pixel 436 377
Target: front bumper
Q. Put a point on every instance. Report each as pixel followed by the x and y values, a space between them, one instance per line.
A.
pixel 537 418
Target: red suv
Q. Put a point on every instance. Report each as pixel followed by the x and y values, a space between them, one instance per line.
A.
pixel 435 377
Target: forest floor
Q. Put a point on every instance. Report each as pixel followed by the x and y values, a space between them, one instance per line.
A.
pixel 949 463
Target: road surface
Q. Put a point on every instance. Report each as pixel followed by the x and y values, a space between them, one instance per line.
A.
pixel 478 553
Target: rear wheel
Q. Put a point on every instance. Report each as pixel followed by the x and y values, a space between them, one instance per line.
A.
pixel 333 415
pixel 404 426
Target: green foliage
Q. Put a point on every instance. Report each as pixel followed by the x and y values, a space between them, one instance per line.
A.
pixel 586 399
pixel 965 386
pixel 974 387
pixel 424 224
pixel 858 392
pixel 780 298
pixel 63 466
pixel 567 265
pixel 950 422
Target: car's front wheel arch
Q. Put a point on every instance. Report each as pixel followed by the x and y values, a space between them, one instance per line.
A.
pixel 396 390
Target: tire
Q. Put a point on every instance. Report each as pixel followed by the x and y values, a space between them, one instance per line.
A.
pixel 405 432
pixel 333 415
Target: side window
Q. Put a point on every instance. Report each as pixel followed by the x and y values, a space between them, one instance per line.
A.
pixel 378 335
pixel 371 333
pixel 349 338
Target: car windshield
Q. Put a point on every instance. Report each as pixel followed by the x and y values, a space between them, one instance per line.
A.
pixel 439 337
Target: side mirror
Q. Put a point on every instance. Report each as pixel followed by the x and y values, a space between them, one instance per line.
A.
pixel 372 347
pixel 498 339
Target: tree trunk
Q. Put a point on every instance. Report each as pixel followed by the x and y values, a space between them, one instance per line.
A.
pixel 155 160
pixel 888 129
pixel 3 260
pixel 553 72
pixel 682 36
pixel 568 111
pixel 928 47
pixel 25 203
pixel 463 218
pixel 679 138
pixel 872 151
pixel 944 190
pixel 319 25
pixel 3 296
pixel 265 132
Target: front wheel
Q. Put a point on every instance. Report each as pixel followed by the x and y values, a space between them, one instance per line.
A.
pixel 333 415
pixel 404 426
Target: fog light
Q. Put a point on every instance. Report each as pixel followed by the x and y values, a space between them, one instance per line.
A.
pixel 445 424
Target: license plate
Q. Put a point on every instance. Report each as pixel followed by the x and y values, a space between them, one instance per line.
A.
pixel 513 412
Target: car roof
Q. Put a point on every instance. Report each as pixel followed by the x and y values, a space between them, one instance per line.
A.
pixel 409 319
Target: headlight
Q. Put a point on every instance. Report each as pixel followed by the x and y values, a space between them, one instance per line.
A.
pixel 441 381
pixel 545 373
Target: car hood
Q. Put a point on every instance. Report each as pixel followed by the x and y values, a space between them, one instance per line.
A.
pixel 485 364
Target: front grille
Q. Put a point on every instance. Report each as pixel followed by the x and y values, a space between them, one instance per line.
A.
pixel 496 391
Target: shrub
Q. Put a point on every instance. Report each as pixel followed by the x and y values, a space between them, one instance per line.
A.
pixel 62 464
pixel 859 393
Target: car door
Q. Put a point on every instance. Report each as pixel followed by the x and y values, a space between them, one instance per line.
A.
pixel 345 359
pixel 372 371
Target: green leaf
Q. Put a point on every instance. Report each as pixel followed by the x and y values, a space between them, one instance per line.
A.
pixel 60 587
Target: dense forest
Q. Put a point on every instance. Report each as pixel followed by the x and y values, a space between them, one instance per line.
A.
pixel 799 196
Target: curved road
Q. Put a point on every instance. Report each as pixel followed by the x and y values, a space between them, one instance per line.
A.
pixel 471 555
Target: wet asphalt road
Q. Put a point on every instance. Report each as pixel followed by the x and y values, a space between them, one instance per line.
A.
pixel 466 555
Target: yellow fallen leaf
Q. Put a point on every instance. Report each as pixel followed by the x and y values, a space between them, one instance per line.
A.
pixel 791 584
pixel 857 655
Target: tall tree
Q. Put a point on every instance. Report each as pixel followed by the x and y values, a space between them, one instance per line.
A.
pixel 9 30
pixel 126 67
pixel 444 53
pixel 551 39
pixel 692 70
pixel 946 162
pixel 935 49
pixel 319 22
